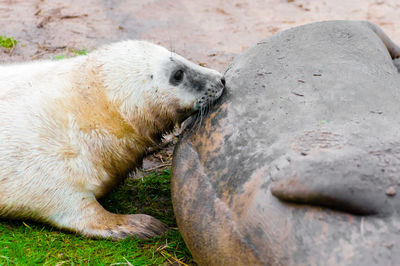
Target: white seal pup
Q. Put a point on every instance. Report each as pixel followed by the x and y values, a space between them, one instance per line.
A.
pixel 71 129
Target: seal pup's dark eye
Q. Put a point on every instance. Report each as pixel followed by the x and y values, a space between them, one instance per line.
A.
pixel 178 76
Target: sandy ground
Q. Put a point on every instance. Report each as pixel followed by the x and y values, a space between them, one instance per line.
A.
pixel 207 31
pixel 210 32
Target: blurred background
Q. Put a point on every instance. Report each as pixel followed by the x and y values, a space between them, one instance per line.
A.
pixel 209 32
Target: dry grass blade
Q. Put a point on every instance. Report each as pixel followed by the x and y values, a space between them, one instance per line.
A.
pixel 170 257
pixel 158 167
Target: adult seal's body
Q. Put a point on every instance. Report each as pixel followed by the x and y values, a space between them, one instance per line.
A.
pixel 69 130
pixel 300 163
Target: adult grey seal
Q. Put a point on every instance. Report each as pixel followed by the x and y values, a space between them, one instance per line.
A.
pixel 300 163
pixel 71 129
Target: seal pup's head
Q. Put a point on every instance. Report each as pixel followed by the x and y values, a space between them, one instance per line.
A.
pixel 150 82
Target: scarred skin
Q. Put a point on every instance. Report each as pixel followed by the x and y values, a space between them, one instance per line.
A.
pixel 299 164
pixel 72 129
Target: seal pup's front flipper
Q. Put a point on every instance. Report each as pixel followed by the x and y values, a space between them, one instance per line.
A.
pixel 345 180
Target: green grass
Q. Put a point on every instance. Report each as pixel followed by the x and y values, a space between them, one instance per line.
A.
pixel 59 57
pixel 7 42
pixel 71 53
pixel 28 243
pixel 80 52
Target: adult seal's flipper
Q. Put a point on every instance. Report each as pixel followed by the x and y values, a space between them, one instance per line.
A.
pixel 393 48
pixel 347 179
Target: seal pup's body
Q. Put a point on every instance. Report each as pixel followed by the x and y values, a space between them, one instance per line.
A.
pixel 70 129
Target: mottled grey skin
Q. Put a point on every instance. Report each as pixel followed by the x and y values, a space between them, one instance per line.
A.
pixel 300 162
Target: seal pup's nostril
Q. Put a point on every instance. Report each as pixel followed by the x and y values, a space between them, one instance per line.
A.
pixel 223 81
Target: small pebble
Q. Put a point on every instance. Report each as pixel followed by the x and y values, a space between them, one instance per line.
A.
pixel 391 191
pixel 389 246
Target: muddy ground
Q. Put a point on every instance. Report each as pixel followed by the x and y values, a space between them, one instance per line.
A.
pixel 209 32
